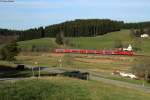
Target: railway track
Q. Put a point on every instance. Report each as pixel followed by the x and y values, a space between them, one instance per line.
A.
pixel 141 55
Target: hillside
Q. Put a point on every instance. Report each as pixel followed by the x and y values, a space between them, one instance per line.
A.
pixel 106 41
pixel 75 28
pixel 59 88
pixel 103 42
pixel 48 43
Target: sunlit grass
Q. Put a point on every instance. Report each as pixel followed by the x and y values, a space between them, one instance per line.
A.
pixel 59 88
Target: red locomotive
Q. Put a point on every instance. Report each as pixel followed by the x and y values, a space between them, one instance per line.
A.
pixel 102 52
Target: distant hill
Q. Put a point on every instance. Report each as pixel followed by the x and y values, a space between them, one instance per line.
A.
pixel 75 28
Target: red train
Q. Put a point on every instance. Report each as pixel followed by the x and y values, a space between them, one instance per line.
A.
pixel 102 52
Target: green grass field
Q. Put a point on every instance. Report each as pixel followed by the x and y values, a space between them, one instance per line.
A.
pixel 49 43
pixel 99 42
pixel 106 41
pixel 103 42
pixel 73 89
pixel 60 88
pixel 101 64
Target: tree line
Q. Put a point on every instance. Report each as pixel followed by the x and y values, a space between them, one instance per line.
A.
pixel 79 27
pixel 139 25
pixel 76 28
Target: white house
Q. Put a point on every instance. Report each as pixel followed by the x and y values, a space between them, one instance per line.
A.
pixel 129 48
pixel 144 36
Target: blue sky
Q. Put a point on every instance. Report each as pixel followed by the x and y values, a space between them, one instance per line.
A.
pixel 24 14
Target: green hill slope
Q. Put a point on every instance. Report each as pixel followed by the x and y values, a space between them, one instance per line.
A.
pixel 48 43
pixel 103 42
pixel 66 89
pixel 106 41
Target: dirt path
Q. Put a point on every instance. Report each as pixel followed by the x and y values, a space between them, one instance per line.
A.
pixel 120 83
pixel 56 54
pixel 94 60
pixel 12 79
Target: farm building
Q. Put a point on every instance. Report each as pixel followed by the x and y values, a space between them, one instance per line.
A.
pixel 128 49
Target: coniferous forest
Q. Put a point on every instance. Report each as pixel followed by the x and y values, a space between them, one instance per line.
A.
pixel 76 28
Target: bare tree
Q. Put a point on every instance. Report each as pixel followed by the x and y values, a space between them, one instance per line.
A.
pixel 142 68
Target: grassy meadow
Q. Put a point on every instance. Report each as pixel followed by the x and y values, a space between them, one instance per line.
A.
pixel 100 64
pixel 60 88
pixel 103 42
pixel 48 43
pixel 106 41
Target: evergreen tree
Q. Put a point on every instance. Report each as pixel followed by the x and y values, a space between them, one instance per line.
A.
pixel 9 51
pixel 76 28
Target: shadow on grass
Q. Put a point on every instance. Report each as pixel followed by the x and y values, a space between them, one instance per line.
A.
pixel 11 72
pixel 6 69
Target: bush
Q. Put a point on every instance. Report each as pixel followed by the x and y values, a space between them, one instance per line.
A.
pixel 118 43
pixel 9 51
